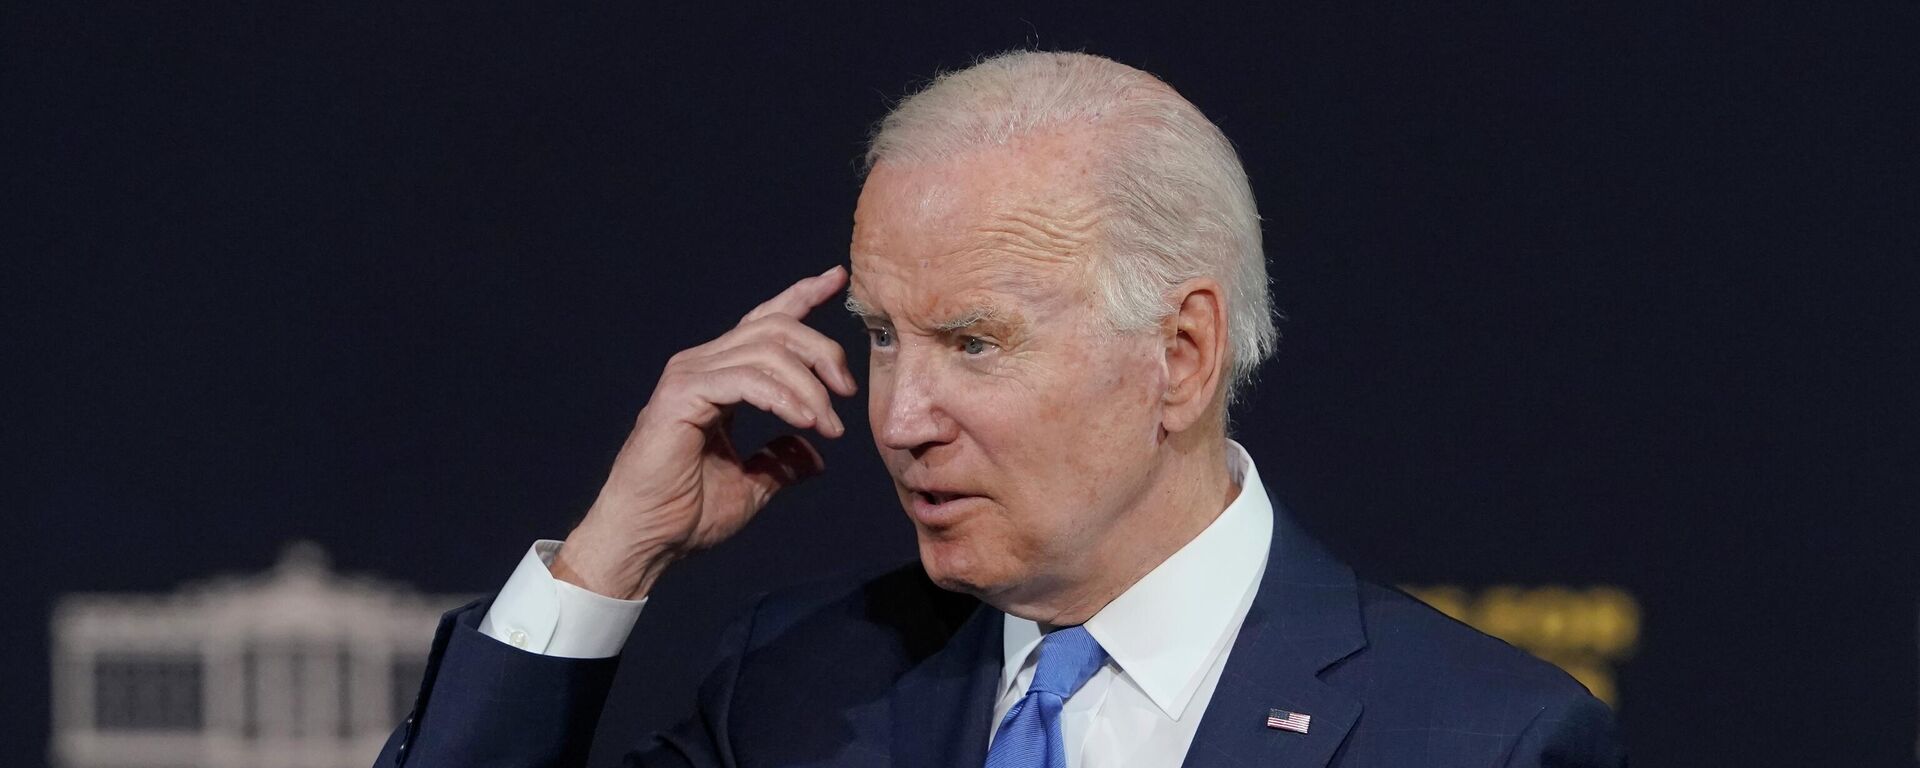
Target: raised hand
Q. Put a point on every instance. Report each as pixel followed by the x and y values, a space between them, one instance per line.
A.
pixel 678 484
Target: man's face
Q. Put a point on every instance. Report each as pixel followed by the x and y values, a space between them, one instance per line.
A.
pixel 1019 432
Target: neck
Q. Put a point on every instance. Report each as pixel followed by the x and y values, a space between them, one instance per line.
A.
pixel 1189 488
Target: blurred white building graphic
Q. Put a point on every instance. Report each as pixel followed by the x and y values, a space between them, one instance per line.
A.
pixel 294 668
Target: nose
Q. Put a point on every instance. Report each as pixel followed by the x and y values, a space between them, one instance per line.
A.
pixel 913 418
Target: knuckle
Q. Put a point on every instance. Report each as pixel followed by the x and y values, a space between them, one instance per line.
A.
pixel 767 349
pixel 748 328
pixel 780 362
pixel 672 382
pixel 767 379
pixel 725 340
pixel 815 399
pixel 836 353
pixel 777 329
pixel 774 392
pixel 820 346
pixel 748 383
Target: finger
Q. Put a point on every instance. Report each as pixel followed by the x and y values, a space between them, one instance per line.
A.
pixel 825 356
pixel 801 297
pixel 758 388
pixel 786 461
pixel 791 371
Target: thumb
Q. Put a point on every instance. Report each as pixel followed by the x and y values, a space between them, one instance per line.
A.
pixel 785 461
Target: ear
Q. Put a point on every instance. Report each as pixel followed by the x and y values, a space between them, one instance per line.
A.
pixel 1194 341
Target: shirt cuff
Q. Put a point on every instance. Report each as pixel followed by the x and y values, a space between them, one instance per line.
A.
pixel 538 613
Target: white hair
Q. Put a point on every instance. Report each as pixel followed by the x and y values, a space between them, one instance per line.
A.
pixel 1179 206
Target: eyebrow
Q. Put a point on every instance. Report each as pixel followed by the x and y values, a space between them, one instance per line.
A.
pixel 968 319
pixel 860 310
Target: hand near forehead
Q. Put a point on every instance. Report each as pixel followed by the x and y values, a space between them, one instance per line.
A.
pixel 679 485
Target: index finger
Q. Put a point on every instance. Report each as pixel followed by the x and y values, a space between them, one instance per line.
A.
pixel 801 297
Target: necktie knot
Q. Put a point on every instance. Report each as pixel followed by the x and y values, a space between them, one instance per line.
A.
pixel 1068 657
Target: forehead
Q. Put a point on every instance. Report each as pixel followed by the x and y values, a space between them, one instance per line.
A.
pixel 1006 225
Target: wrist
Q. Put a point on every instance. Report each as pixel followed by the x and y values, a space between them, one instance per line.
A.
pixel 587 561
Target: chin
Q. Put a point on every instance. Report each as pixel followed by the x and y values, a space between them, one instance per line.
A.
pixel 955 566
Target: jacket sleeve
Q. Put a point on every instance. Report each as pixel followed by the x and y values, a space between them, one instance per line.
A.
pixel 1576 732
pixel 485 703
pixel 705 739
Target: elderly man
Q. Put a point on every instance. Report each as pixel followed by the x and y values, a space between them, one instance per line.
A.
pixel 1058 263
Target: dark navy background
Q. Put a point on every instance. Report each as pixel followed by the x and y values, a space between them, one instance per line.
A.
pixel 1618 294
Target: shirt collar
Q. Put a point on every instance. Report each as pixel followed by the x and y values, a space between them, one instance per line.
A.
pixel 1164 631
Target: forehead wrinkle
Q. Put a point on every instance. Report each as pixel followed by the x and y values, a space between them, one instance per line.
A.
pixel 1023 281
pixel 1040 232
pixel 1024 237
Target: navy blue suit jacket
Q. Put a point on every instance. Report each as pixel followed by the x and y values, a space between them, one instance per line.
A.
pixel 894 671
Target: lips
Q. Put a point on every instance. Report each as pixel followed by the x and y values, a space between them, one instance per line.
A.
pixel 938 507
pixel 936 497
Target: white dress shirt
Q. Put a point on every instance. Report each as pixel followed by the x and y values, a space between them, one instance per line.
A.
pixel 539 613
pixel 1167 637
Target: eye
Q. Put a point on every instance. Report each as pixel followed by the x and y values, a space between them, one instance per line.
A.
pixel 882 337
pixel 974 345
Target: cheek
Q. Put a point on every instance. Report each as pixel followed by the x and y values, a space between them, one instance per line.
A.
pixel 1119 427
pixel 879 391
pixel 1111 390
pixel 1083 388
pixel 878 396
pixel 1084 427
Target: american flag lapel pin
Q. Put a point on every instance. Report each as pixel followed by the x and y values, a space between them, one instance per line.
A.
pixel 1288 721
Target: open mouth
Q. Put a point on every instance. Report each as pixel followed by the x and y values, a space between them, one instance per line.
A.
pixel 940 507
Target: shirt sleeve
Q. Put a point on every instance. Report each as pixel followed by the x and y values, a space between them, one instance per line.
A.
pixel 538 613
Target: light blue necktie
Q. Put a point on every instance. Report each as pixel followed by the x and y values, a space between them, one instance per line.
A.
pixel 1029 736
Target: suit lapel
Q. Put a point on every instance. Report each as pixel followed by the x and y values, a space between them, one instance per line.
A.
pixel 1305 617
pixel 942 707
